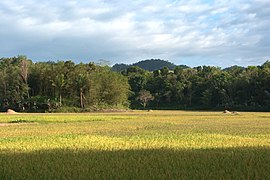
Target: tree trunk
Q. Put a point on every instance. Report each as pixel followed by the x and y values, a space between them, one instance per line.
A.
pixel 144 103
pixel 81 98
pixel 60 100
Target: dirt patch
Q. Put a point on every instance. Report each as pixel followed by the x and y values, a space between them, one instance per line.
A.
pixel 231 112
pixel 227 112
pixel 114 110
pixel 10 111
pixel 16 124
pixel 236 113
pixel 6 124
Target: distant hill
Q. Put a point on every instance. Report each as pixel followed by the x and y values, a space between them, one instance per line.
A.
pixel 150 65
pixel 120 67
pixel 234 69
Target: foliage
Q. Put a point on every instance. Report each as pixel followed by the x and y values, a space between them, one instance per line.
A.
pixel 47 86
pixel 144 97
pixel 204 87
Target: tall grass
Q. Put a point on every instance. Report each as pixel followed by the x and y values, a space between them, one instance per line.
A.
pixel 135 145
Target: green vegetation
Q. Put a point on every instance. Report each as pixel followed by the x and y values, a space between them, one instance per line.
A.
pixel 64 86
pixel 135 145
pixel 54 86
pixel 203 87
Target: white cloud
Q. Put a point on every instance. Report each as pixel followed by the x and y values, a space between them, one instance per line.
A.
pixel 180 31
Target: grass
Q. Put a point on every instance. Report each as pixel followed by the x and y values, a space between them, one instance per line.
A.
pixel 135 145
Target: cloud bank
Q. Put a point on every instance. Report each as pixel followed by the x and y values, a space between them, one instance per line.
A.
pixel 195 32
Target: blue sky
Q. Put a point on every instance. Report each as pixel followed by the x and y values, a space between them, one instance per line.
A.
pixel 195 32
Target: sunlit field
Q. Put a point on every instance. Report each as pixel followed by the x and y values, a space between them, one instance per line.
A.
pixel 135 145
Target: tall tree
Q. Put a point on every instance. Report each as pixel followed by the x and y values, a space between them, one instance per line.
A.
pixel 82 83
pixel 24 72
pixel 59 83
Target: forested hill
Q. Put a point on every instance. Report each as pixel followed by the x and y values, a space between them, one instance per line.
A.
pixel 149 65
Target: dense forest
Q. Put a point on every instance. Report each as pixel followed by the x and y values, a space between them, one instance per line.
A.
pixel 64 86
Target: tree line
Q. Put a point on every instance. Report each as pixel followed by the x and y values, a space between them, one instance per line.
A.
pixel 202 87
pixel 66 86
pixel 51 86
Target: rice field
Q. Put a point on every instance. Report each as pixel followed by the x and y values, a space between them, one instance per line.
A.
pixel 135 145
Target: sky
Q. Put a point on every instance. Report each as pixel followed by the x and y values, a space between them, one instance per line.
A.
pixel 191 32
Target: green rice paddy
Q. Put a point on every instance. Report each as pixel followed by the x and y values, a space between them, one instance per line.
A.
pixel 135 145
